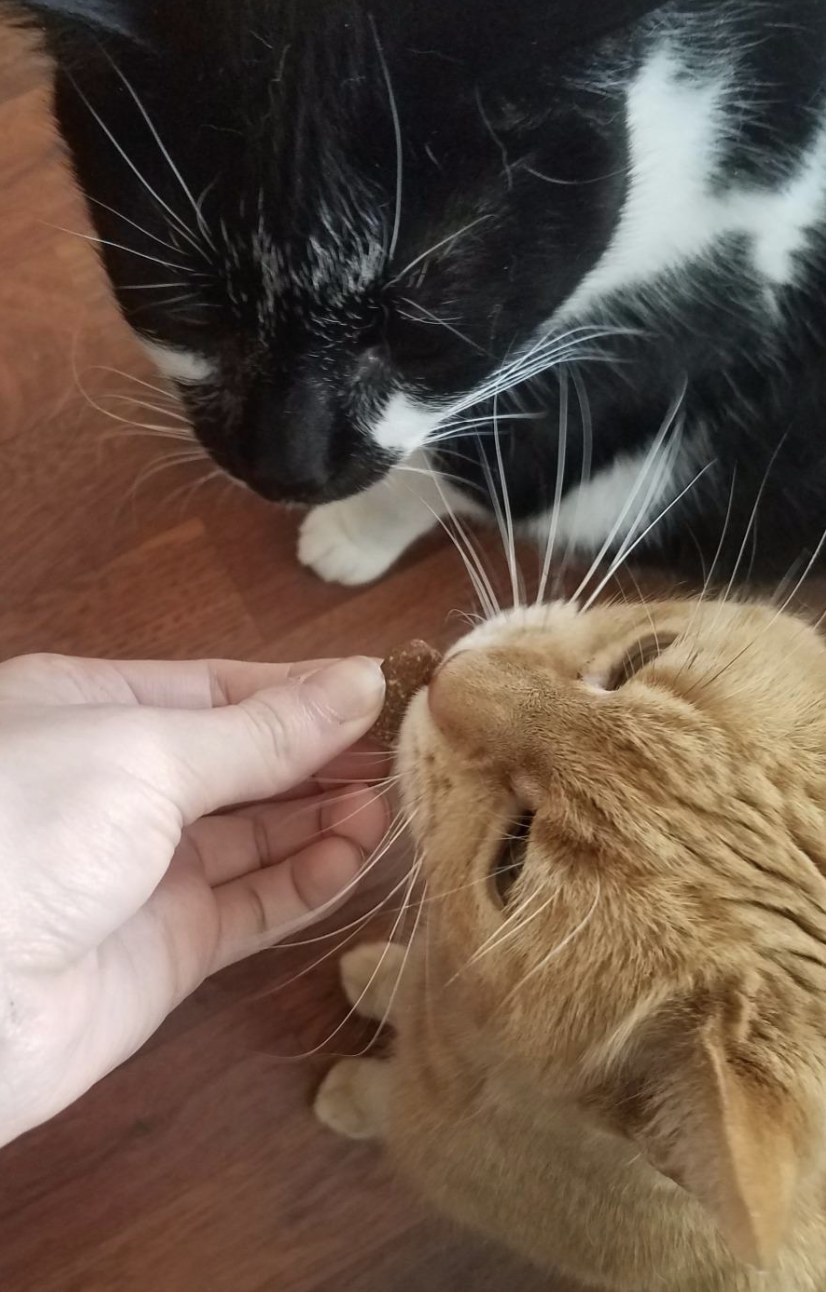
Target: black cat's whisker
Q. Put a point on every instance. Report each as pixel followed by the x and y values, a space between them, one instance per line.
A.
pixel 460 431
pixel 153 237
pixel 560 477
pixel 431 251
pixel 158 429
pixel 539 358
pixel 427 473
pixel 138 381
pixel 134 402
pixel 397 130
pixel 465 422
pixel 149 287
pixel 545 362
pixel 671 426
pixel 573 183
pixel 180 432
pixel 118 246
pixel 186 492
pixel 167 462
pixel 202 225
pixel 545 343
pixel 430 317
pixel 174 302
pixel 179 224
pixel 137 430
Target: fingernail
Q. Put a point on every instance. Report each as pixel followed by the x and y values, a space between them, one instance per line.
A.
pixel 351 689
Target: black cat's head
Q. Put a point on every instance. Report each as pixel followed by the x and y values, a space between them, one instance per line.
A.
pixel 333 222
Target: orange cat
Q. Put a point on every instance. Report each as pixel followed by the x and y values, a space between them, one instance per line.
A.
pixel 611 1049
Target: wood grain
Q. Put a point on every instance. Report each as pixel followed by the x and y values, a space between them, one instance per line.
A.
pixel 197 1167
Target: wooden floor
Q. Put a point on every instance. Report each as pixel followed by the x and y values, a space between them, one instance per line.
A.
pixel 197 1167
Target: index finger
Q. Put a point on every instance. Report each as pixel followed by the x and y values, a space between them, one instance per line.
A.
pixel 161 684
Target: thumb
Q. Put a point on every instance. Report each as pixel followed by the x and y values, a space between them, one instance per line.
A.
pixel 271 741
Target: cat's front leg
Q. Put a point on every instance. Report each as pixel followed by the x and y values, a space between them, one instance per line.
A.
pixel 356 540
pixel 353 1098
pixel 370 975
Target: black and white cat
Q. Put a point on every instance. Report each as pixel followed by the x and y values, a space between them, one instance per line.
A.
pixel 578 244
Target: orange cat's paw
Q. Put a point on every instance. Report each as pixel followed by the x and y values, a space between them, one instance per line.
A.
pixel 350 1099
pixel 370 975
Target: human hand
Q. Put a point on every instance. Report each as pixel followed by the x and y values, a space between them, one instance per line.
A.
pixel 119 889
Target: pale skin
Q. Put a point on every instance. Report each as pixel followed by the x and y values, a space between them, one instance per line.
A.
pixel 120 887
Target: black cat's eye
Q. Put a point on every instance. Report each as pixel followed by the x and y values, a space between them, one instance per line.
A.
pixel 510 859
pixel 410 338
pixel 643 652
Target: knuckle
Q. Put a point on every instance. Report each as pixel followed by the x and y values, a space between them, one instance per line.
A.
pixel 270 727
pixel 258 913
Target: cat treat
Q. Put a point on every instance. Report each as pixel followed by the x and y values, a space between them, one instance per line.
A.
pixel 407 669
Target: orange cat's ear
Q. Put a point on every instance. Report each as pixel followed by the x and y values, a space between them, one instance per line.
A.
pixel 717 1128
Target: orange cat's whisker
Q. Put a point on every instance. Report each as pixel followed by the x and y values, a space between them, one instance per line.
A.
pixel 669 433
pixel 412 880
pixel 391 1000
pixel 510 930
pixel 557 950
pixel 349 931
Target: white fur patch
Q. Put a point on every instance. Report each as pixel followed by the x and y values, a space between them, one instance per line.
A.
pixel 405 426
pixel 676 210
pixel 183 366
pixel 355 540
pixel 617 503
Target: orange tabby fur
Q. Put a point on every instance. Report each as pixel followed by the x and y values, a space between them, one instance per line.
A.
pixel 621 1073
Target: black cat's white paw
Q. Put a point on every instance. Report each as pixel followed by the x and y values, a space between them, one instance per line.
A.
pixel 343 545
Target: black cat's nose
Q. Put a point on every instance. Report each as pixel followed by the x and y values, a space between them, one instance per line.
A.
pixel 287 443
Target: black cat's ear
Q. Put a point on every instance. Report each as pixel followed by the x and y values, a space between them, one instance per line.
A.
pixel 119 17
